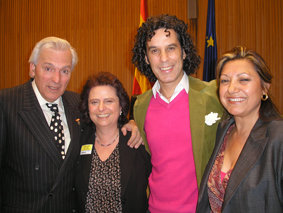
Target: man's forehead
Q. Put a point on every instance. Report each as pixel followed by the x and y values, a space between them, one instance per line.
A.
pixel 52 55
pixel 168 33
pixel 47 50
pixel 159 35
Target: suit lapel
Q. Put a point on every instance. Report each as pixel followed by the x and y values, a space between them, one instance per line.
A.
pixel 202 101
pixel 142 102
pixel 74 129
pixel 35 120
pixel 219 140
pixel 250 154
pixel 197 114
pixel 86 160
pixel 126 161
pixel 72 115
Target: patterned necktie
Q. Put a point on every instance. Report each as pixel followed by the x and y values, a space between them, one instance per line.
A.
pixel 57 129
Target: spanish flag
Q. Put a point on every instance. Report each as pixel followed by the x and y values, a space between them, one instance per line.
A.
pixel 141 83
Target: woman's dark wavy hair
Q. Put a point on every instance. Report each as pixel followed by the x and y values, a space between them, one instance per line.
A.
pixel 268 110
pixel 102 79
pixel 147 31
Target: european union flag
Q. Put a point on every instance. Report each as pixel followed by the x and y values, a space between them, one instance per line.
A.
pixel 210 57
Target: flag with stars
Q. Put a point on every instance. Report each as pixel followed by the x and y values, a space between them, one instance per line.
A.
pixel 210 56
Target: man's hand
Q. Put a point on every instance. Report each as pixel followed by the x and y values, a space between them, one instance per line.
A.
pixel 136 139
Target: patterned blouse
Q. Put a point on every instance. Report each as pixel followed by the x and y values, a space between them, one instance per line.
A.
pixel 104 189
pixel 216 187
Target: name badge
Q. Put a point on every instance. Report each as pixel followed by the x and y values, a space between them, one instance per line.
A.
pixel 86 149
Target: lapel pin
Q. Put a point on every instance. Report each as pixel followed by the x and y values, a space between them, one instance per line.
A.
pixel 78 121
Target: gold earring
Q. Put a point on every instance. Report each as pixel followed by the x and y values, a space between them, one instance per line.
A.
pixel 264 97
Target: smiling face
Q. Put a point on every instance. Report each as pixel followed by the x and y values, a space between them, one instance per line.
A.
pixel 104 106
pixel 52 72
pixel 240 89
pixel 165 56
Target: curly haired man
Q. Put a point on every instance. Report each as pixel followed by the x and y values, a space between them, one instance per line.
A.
pixel 171 116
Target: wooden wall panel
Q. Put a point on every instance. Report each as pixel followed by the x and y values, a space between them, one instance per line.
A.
pixel 256 24
pixel 102 31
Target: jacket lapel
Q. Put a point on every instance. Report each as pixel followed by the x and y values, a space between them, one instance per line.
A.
pixel 72 115
pixel 197 114
pixel 126 161
pixel 250 154
pixel 86 160
pixel 35 120
pixel 202 101
pixel 221 132
pixel 142 102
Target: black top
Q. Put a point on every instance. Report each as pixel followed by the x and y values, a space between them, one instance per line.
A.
pixel 135 168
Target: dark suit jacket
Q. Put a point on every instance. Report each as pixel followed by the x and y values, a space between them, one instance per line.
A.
pixel 256 182
pixel 135 168
pixel 33 178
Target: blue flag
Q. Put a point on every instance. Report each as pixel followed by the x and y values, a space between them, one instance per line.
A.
pixel 210 56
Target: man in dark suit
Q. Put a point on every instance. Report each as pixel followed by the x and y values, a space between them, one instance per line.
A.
pixel 36 173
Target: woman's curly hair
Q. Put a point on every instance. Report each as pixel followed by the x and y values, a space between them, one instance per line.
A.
pixel 104 79
pixel 147 31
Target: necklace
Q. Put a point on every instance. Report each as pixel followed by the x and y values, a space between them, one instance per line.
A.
pixel 108 144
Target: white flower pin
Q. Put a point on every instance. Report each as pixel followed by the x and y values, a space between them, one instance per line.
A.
pixel 211 118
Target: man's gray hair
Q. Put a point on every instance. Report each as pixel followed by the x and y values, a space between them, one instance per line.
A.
pixel 53 43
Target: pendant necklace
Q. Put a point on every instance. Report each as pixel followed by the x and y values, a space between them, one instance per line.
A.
pixel 105 145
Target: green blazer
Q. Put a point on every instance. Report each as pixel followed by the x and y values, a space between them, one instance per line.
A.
pixel 203 99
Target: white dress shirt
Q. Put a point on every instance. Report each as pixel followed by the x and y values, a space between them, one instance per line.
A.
pixel 48 114
pixel 183 84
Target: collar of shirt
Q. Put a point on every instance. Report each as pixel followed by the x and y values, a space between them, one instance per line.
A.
pixel 183 84
pixel 42 101
pixel 48 114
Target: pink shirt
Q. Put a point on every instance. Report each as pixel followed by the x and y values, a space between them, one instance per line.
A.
pixel 173 184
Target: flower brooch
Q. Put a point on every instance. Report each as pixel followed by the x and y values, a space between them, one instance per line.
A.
pixel 211 118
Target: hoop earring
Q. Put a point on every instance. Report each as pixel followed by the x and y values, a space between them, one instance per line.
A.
pixel 264 97
pixel 121 112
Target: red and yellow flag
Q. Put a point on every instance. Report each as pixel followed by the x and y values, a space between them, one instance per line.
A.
pixel 141 83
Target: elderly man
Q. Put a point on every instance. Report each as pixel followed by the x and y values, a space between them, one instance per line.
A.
pixel 39 134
